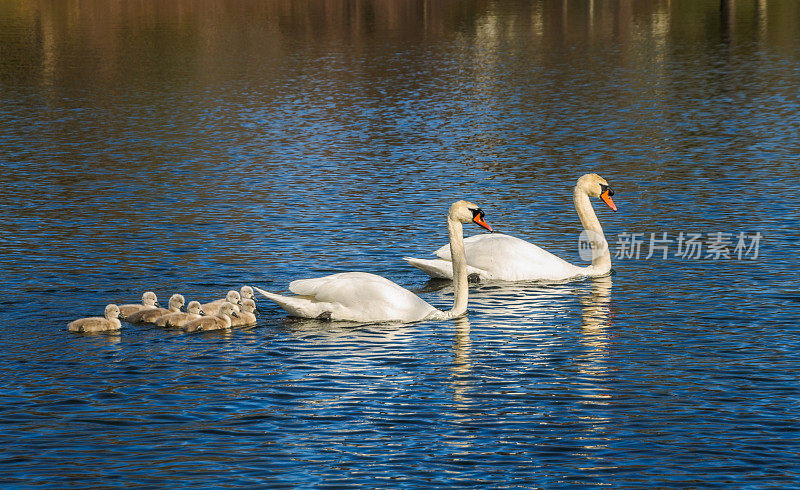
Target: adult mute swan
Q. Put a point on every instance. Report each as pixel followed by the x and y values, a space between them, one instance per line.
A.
pixel 506 258
pixel 364 297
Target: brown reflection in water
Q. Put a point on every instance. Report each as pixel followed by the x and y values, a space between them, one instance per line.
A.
pixel 111 40
pixel 114 40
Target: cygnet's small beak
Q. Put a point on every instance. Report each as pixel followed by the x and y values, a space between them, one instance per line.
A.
pixel 157 304
pixel 202 313
pixel 234 314
pixel 606 197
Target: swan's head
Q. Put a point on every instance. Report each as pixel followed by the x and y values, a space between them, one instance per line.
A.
pixel 246 292
pixel 465 211
pixel 233 297
pixel 112 311
pixel 595 186
pixel 149 299
pixel 228 309
pixel 194 308
pixel 176 302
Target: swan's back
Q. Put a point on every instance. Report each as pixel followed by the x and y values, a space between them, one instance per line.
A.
pixel 513 259
pixel 354 295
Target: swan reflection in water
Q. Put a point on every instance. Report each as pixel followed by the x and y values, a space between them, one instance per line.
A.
pixel 512 302
pixel 326 331
pixel 528 320
pixel 462 362
pixel 595 313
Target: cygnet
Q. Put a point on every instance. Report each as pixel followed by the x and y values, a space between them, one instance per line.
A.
pixel 180 318
pixel 220 321
pixel 149 301
pixel 176 301
pixel 96 323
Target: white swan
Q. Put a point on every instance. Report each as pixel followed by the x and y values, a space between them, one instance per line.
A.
pixel 364 297
pixel 220 321
pixel 149 301
pixel 180 318
pixel 176 302
pixel 96 323
pixel 506 258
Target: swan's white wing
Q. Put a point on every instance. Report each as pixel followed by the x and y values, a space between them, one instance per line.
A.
pixel 441 268
pixel 507 258
pixel 353 296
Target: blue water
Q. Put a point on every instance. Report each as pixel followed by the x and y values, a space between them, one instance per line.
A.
pixel 195 148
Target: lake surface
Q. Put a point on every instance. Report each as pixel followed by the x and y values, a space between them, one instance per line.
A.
pixel 195 147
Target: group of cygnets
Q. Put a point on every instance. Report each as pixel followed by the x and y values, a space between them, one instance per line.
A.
pixel 237 308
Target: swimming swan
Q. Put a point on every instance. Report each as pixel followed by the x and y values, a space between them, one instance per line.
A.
pixel 149 301
pixel 176 302
pixel 212 307
pixel 364 297
pixel 506 258
pixel 96 323
pixel 180 318
pixel 246 292
pixel 220 321
pixel 247 315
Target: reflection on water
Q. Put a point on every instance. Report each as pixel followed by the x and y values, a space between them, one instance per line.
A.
pixel 595 312
pixel 462 366
pixel 194 147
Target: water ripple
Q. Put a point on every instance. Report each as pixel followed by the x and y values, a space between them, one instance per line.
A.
pixel 168 150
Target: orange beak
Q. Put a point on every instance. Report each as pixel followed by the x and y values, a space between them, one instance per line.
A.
pixel 478 219
pixel 607 199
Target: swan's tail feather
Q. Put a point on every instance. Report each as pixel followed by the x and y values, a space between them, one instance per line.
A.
pixel 299 306
pixel 437 268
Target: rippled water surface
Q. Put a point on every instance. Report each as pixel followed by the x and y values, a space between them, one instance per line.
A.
pixel 194 147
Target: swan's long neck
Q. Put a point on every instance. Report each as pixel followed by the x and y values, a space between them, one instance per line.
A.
pixel 459 259
pixel 601 256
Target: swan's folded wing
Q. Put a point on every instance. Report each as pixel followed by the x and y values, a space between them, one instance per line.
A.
pixel 353 288
pixel 508 258
pixel 441 268
pixel 363 296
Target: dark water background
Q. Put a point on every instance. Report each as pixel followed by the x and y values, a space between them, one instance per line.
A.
pixel 192 147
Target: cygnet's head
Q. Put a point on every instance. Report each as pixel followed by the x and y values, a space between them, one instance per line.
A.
pixel 176 301
pixel 246 292
pixel 194 308
pixel 149 299
pixel 248 305
pixel 595 186
pixel 228 309
pixel 112 311
pixel 465 211
pixel 233 297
